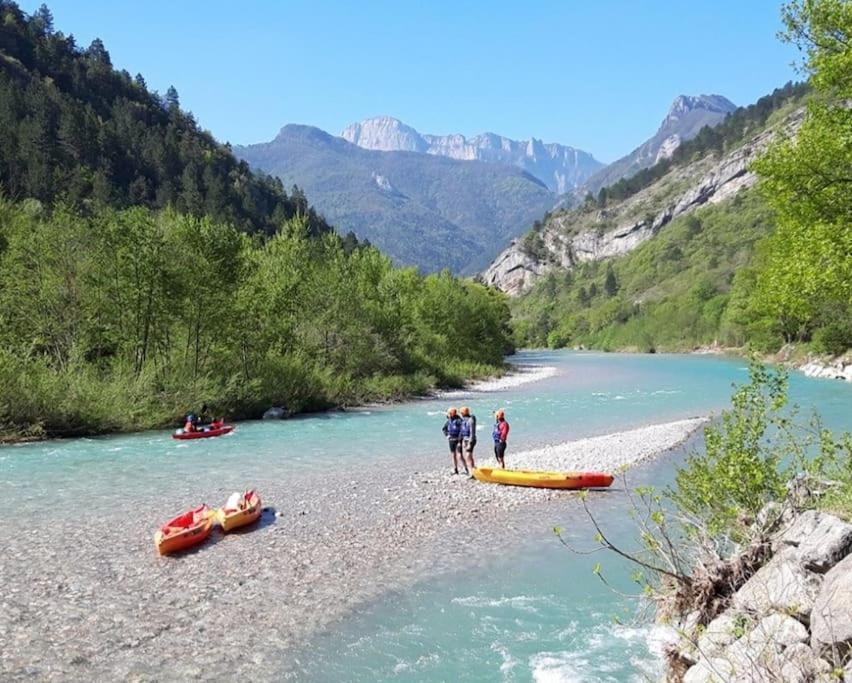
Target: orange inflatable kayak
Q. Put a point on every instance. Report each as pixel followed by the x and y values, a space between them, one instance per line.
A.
pixel 247 511
pixel 184 531
pixel 544 480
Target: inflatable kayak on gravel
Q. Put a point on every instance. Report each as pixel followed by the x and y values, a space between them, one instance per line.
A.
pixel 184 531
pixel 247 510
pixel 544 480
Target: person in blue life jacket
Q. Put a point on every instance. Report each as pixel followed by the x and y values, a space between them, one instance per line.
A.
pixel 468 438
pixel 452 430
pixel 500 434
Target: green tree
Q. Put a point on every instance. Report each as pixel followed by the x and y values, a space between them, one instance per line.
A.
pixel 807 279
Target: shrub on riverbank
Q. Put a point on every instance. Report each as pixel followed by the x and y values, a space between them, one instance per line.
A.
pixel 126 319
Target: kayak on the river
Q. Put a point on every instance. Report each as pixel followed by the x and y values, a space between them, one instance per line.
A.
pixel 204 432
pixel 184 531
pixel 240 510
pixel 544 480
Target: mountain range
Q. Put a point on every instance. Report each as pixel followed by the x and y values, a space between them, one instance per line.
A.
pixel 449 201
pixel 560 167
pixel 421 209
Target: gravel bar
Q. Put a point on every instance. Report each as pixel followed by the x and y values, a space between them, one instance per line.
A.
pixel 87 598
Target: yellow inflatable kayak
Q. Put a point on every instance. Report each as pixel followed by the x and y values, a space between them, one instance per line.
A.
pixel 544 480
pixel 247 510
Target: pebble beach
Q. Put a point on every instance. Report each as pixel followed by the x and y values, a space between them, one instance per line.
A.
pixel 86 598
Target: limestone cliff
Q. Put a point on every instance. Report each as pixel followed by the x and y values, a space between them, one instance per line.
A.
pixel 587 234
pixel 560 167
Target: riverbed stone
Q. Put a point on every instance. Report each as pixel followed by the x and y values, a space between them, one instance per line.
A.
pixel 276 413
pixel 781 585
pixel 829 543
pixel 831 618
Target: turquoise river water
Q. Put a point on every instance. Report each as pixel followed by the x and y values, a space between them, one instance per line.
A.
pixel 533 611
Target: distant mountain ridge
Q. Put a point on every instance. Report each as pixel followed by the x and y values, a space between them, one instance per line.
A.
pixel 422 209
pixel 560 167
pixel 687 115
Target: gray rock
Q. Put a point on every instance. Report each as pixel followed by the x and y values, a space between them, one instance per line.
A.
pixel 831 618
pixel 797 532
pixel 829 543
pixel 276 413
pixel 715 670
pixel 719 633
pixel 777 629
pixel 802 665
pixel 782 585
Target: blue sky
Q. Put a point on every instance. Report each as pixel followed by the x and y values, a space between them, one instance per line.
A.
pixel 596 75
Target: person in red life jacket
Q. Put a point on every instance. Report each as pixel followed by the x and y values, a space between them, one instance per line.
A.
pixel 468 437
pixel 500 434
pixel 452 430
pixel 189 425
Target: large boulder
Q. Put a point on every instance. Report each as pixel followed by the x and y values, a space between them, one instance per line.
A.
pixel 777 629
pixel 797 532
pixel 831 617
pixel 276 413
pixel 802 665
pixel 781 585
pixel 829 543
pixel 718 634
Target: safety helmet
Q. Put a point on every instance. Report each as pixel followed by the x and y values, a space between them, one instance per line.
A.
pixel 451 412
pixel 500 414
pixel 465 411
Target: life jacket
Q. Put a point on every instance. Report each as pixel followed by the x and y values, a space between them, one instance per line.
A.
pixel 454 426
pixel 495 433
pixel 189 427
pixel 467 428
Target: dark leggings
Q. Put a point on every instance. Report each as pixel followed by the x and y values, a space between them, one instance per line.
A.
pixel 500 450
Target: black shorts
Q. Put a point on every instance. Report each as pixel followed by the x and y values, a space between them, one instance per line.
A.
pixel 468 445
pixel 500 449
pixel 455 445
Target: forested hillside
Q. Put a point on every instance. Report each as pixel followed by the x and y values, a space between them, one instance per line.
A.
pixel 76 129
pixel 641 267
pixel 145 271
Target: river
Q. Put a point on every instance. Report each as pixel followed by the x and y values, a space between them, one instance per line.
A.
pixel 519 607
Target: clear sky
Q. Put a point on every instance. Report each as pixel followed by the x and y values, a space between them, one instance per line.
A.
pixel 598 75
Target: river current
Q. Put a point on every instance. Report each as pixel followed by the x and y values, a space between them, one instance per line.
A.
pixel 530 610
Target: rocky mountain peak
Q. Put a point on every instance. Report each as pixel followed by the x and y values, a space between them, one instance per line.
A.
pixel 684 104
pixel 386 134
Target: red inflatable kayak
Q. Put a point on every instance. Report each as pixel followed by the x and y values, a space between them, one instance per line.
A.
pixel 184 531
pixel 203 433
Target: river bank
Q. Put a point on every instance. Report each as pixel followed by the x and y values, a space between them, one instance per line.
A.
pixel 100 604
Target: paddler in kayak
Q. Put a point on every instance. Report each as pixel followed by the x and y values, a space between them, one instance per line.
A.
pixel 500 434
pixel 468 437
pixel 452 430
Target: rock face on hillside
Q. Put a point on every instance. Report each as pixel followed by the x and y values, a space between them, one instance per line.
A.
pixel 687 115
pixel 576 236
pixel 560 167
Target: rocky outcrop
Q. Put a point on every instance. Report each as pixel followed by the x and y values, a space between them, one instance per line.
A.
pixel 792 620
pixel 837 368
pixel 580 235
pixel 560 167
pixel 687 115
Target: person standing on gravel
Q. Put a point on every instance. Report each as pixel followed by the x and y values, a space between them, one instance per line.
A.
pixel 452 430
pixel 468 436
pixel 500 434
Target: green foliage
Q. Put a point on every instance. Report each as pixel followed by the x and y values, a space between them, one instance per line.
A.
pixel 125 319
pixel 805 280
pixel 78 131
pixel 674 292
pixel 739 472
